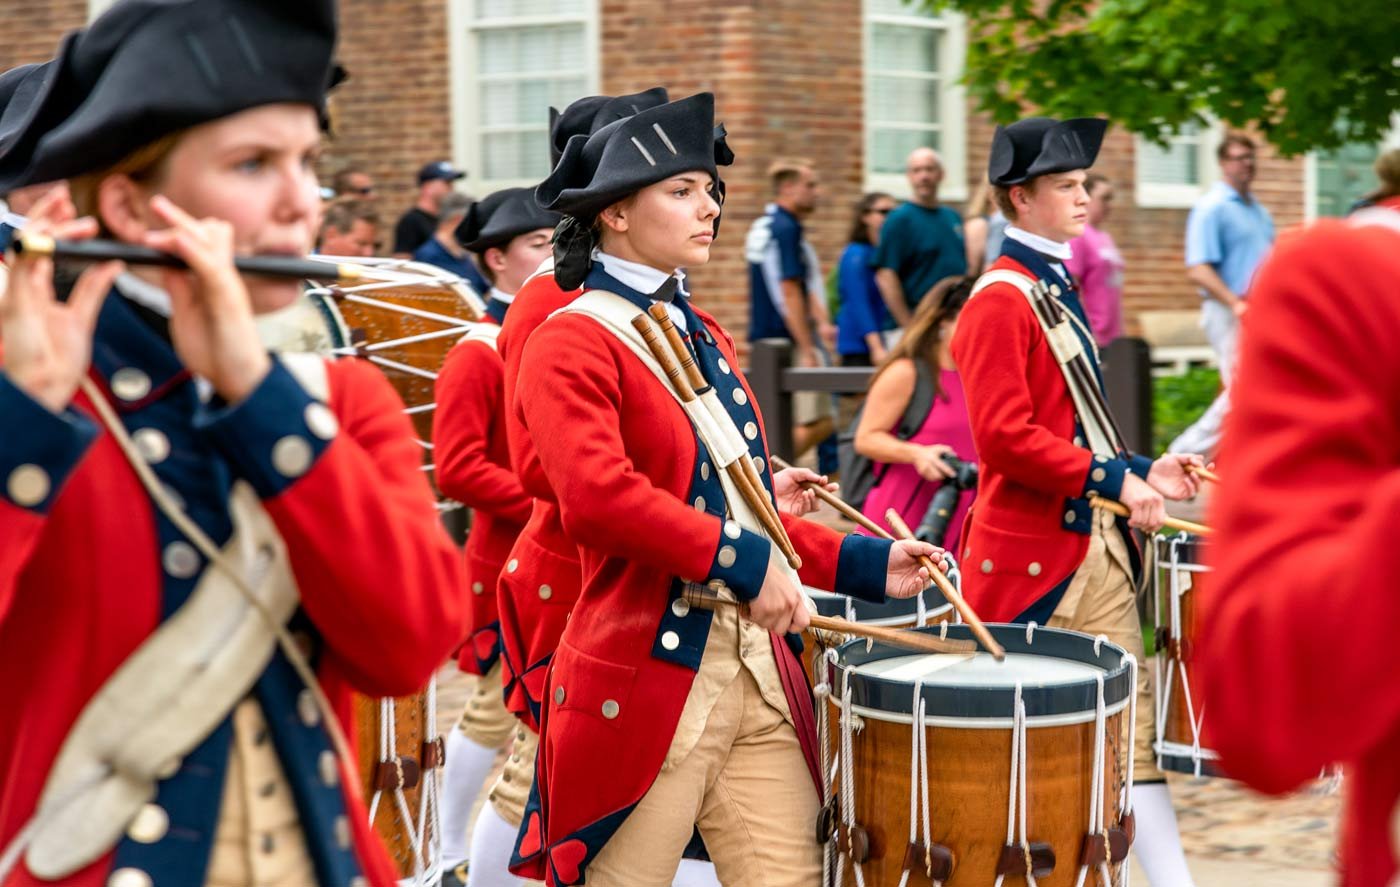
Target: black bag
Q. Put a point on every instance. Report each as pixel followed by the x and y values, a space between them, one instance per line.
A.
pixel 859 475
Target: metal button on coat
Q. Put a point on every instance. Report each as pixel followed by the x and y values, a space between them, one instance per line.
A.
pixel 478 588
pixel 291 456
pixel 699 503
pixel 727 556
pixel 131 384
pixel 1069 517
pixel 1098 475
pixel 611 709
pixel 129 877
pixel 670 640
pixel 724 366
pixel 987 565
pixel 342 832
pixel 152 444
pixel 680 606
pixel 328 768
pixel 306 709
pixel 150 824
pixel 740 397
pixel 759 464
pixel 1034 568
pixel 704 470
pixel 321 420
pixel 512 565
pixel 732 529
pixel 558 695
pixel 28 485
pixel 180 560
pixel 546 592
pixel 750 430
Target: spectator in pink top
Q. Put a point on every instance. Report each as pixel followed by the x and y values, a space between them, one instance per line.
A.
pixel 1098 266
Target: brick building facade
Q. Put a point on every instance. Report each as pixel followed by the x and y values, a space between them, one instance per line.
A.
pixel 801 77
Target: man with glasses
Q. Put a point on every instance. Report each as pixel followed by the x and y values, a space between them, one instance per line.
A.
pixel 354 183
pixel 1227 235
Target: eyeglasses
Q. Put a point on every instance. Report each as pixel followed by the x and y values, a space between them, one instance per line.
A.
pixel 882 211
pixel 1245 158
pixel 363 192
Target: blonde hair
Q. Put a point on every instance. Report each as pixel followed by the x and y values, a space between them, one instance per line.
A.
pixel 1388 172
pixel 146 163
pixel 982 202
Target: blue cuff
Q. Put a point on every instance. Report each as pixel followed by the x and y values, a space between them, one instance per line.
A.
pixel 1139 465
pixel 1105 477
pixel 861 567
pixel 275 435
pixel 741 561
pixel 39 448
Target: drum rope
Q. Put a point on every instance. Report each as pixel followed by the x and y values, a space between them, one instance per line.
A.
pixel 1127 799
pixel 1016 791
pixel 1097 789
pixel 821 665
pixel 918 780
pixel 848 786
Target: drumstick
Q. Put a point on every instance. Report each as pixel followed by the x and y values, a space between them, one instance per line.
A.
pixel 968 614
pixel 1204 473
pixel 771 524
pixel 895 637
pixel 1172 523
pixel 40 245
pixel 835 501
pixel 698 382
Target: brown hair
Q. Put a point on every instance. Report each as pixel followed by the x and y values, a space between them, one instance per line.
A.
pixel 1234 138
pixel 1093 180
pixel 787 169
pixel 924 336
pixel 342 214
pixel 1388 172
pixel 145 164
pixel 859 233
pixel 1002 195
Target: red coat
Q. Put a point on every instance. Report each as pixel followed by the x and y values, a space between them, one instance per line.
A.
pixel 82 582
pixel 620 458
pixel 1028 531
pixel 535 598
pixel 473 467
pixel 1297 626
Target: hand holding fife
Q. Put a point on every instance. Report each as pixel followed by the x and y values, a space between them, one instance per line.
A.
pixel 794 497
pixel 780 606
pixel 907 576
pixel 47 343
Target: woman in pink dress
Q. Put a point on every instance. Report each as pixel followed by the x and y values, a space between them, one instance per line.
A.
pixel 1097 265
pixel 910 471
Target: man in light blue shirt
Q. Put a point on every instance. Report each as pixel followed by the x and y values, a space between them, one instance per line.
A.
pixel 1227 236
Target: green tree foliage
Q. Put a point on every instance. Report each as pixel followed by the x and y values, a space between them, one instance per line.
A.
pixel 1309 73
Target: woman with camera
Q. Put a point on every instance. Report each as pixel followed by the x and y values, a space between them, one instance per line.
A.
pixel 919 376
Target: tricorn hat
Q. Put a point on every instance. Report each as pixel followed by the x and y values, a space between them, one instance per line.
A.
pixel 591 113
pixel 502 216
pixel 1039 146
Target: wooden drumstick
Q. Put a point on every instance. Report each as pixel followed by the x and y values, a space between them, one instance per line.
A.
pixel 1172 523
pixel 699 382
pixel 895 637
pixel 835 501
pixel 1204 473
pixel 771 524
pixel 945 585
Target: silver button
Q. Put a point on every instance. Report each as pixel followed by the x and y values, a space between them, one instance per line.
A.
pixel 699 503
pixel 153 445
pixel 478 588
pixel 759 464
pixel 130 384
pixel 724 366
pixel 358 881
pixel 558 695
pixel 291 456
pixel 670 640
pixel 175 497
pixel 967 552
pixel 987 565
pixel 727 556
pixel 150 824
pixel 1054 289
pixel 750 430
pixel 546 592
pixel 321 420
pixel 129 877
pixel 328 768
pixel 1098 474
pixel 704 470
pixel 512 565
pixel 740 397
pixel 680 606
pixel 28 485
pixel 1034 568
pixel 342 832
pixel 180 560
pixel 611 709
pixel 1069 517
pixel 732 529
pixel 306 709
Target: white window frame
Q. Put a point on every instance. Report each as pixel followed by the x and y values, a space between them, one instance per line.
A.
pixel 462 64
pixel 97 7
pixel 1390 140
pixel 1165 195
pixel 952 109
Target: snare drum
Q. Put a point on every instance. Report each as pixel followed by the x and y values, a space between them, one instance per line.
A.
pixel 1181 572
pixel 957 769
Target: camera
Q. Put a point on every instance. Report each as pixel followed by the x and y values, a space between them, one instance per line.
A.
pixel 934 527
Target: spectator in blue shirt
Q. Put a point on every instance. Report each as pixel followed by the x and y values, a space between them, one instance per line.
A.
pixel 443 250
pixel 786 293
pixel 863 318
pixel 1228 234
pixel 921 242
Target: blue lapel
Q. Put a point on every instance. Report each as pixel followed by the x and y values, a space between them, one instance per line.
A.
pixel 496 310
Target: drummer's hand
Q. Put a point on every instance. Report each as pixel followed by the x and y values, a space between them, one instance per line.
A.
pixel 779 607
pixel 48 343
pixel 907 576
pixel 211 322
pixel 792 496
pixel 1149 512
pixel 1171 475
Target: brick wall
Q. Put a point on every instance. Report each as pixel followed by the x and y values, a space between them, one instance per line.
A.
pixel 31 28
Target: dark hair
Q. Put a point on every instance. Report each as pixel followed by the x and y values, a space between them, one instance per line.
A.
pixel 787 169
pixel 859 233
pixel 924 335
pixel 1234 138
pixel 1093 180
pixel 343 214
pixel 341 181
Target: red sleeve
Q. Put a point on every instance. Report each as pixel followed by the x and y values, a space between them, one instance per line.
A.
pixel 995 337
pixel 1298 622
pixel 378 575
pixel 469 394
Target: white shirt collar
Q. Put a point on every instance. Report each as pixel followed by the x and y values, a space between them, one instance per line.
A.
pixel 642 278
pixel 144 293
pixel 1053 248
pixel 500 295
pixel 14 220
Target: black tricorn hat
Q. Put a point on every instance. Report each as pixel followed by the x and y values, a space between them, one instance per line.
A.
pixel 148 68
pixel 591 113
pixel 627 155
pixel 1038 146
pixel 500 217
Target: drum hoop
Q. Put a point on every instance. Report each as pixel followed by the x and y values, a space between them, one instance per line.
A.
pixel 1191 550
pixel 1069 719
pixel 896 611
pixel 894 698
pixel 336 327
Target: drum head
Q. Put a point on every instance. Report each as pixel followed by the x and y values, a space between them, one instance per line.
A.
pixel 309 325
pixel 895 611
